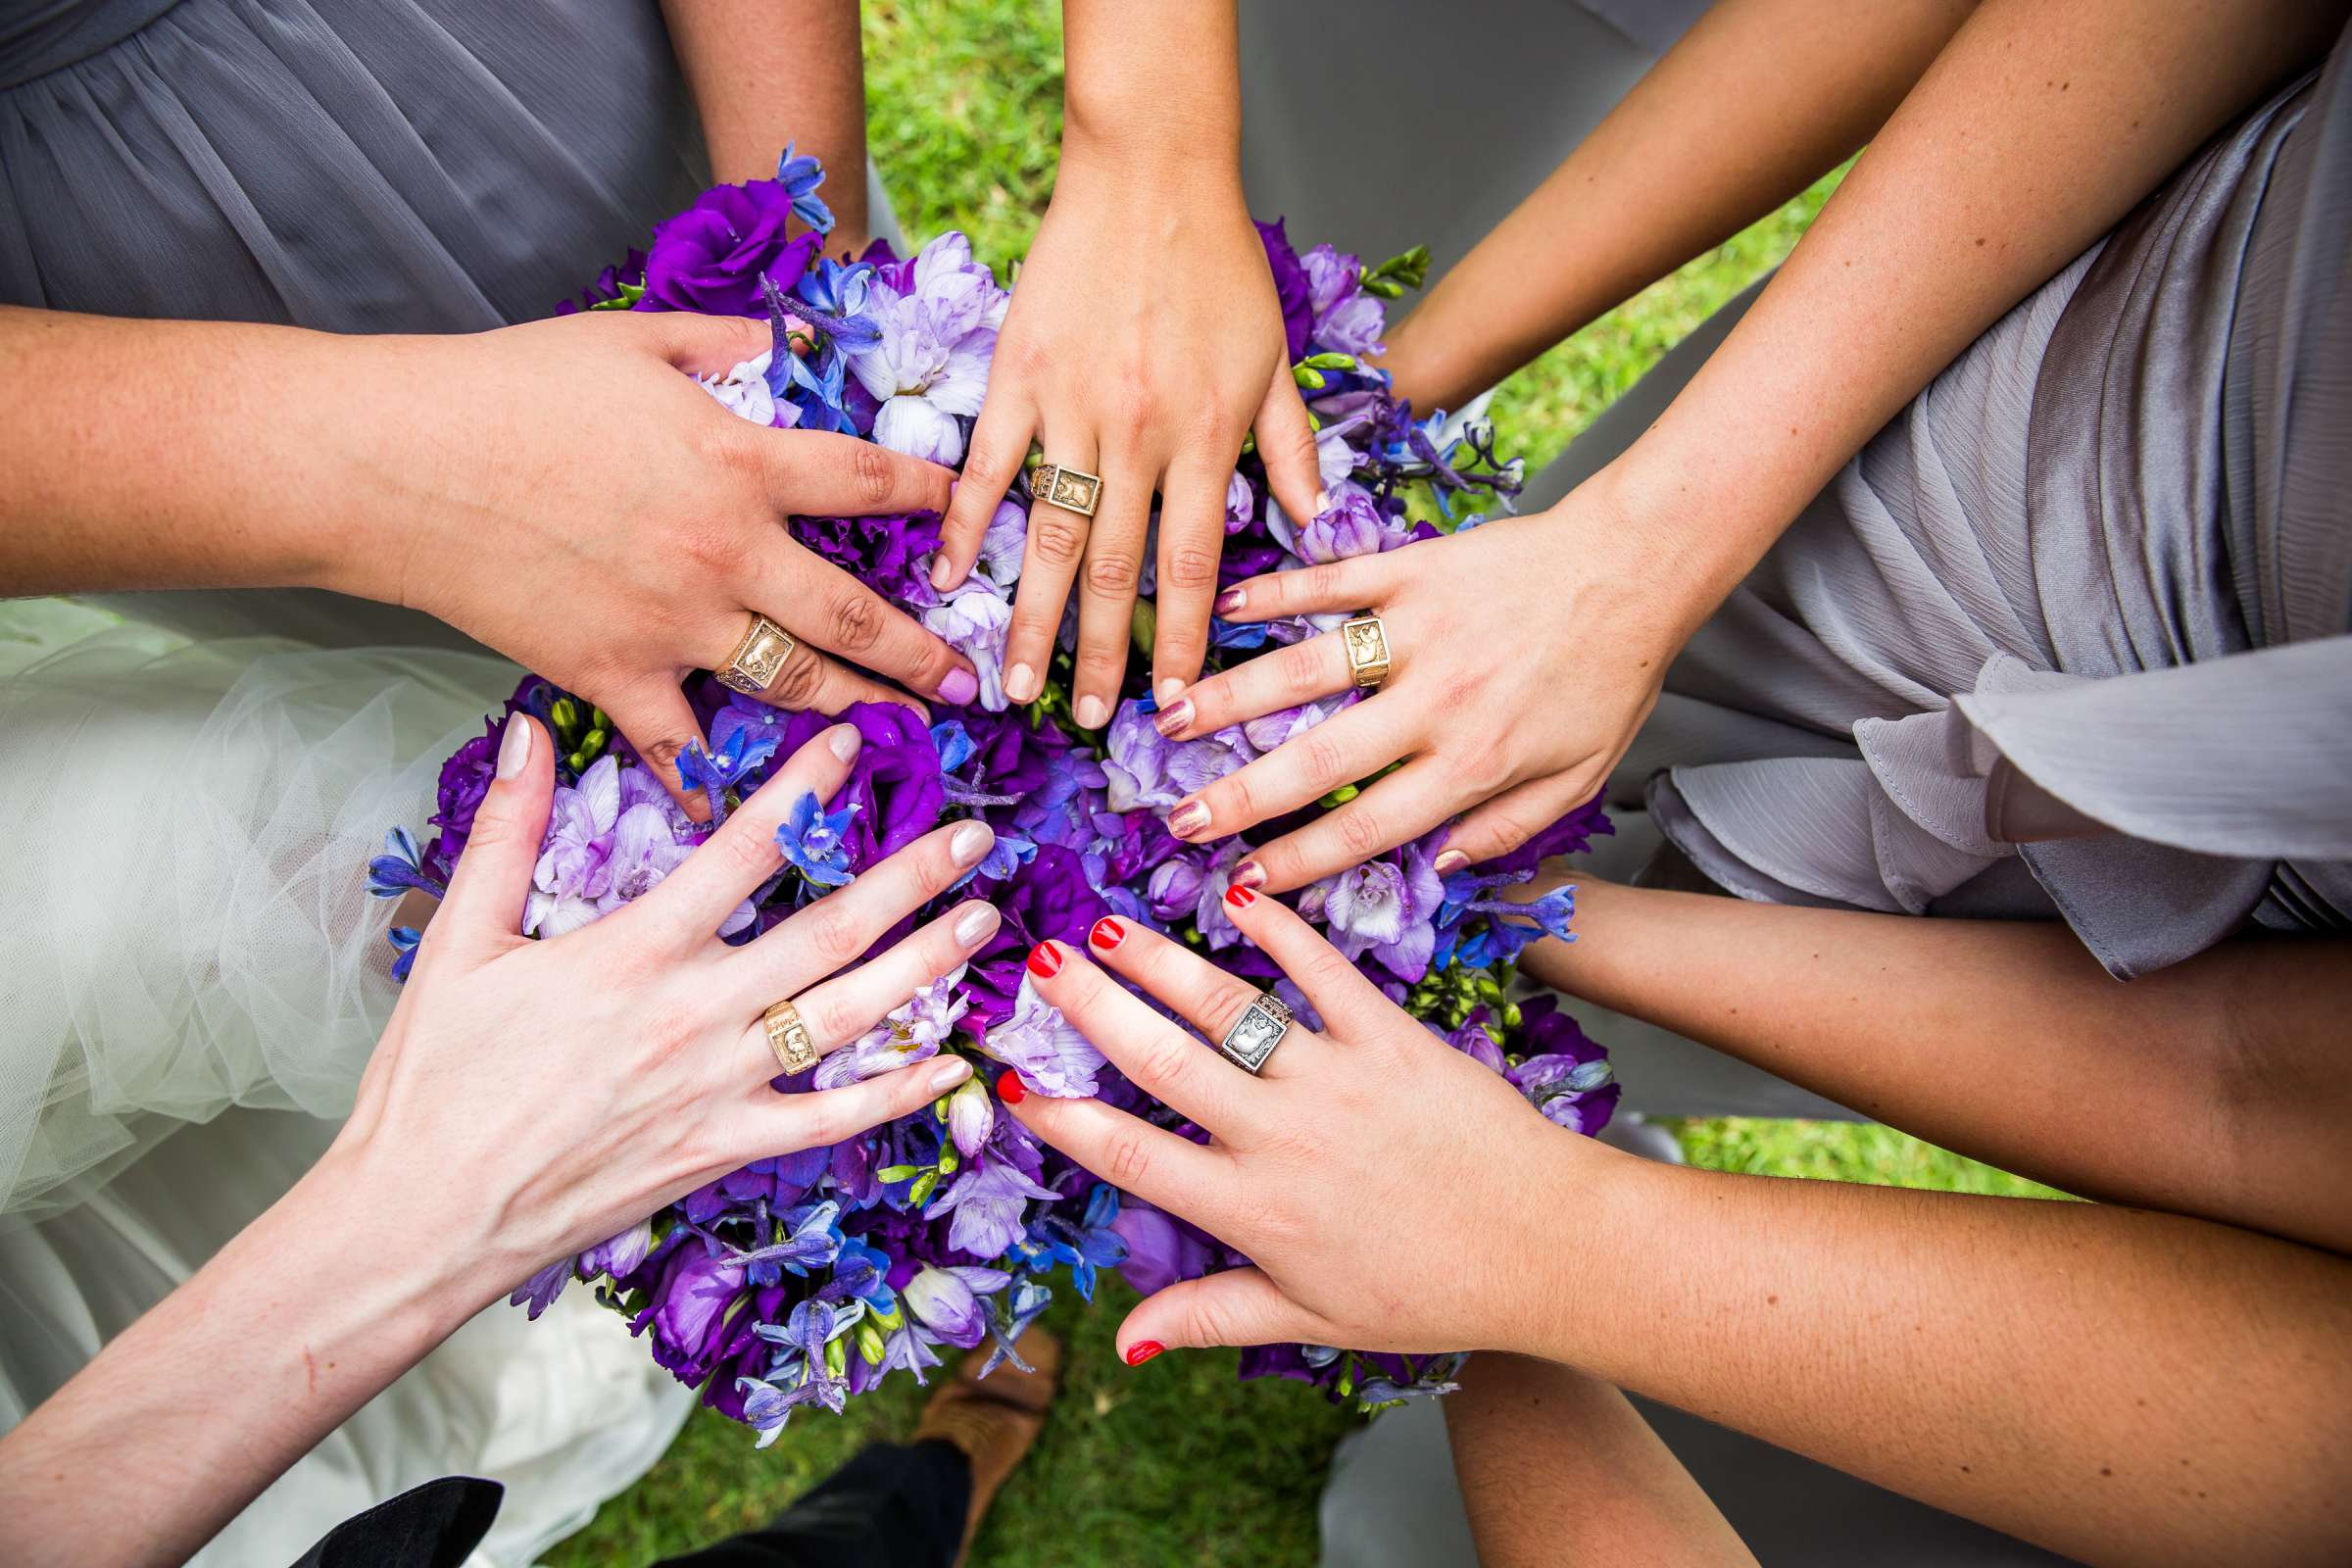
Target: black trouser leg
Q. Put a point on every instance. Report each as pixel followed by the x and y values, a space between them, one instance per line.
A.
pixel 893 1506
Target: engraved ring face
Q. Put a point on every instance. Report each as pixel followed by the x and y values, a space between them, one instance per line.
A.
pixel 1070 489
pixel 1257 1032
pixel 1367 643
pixel 788 1038
pixel 758 658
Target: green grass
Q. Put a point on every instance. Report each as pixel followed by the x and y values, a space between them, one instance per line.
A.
pixel 1176 1463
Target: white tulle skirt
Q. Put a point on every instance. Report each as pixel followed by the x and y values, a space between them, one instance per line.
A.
pixel 193 975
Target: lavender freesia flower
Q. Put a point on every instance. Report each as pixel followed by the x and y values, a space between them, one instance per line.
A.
pixel 1347 319
pixel 973 620
pixel 929 367
pixel 574 867
pixel 947 1302
pixel 1048 1051
pixel 988 1200
pixel 913 1032
pixel 1388 907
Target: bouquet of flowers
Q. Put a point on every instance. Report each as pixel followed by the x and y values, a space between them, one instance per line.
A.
pixel 810 1277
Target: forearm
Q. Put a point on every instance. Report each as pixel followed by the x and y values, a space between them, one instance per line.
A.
pixel 181 1421
pixel 2107 1382
pixel 2212 1088
pixel 763 75
pixel 1759 98
pixel 1153 87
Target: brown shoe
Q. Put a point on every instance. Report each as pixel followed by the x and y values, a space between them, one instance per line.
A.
pixel 996 1420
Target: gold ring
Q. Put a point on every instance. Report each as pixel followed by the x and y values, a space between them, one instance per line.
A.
pixel 758 658
pixel 1367 643
pixel 788 1038
pixel 1070 489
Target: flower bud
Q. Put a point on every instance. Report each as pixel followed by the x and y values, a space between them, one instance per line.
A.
pixel 971 1117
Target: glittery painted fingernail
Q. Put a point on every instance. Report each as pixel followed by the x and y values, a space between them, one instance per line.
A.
pixel 1107 934
pixel 1230 602
pixel 1451 860
pixel 1246 875
pixel 1188 820
pixel 1168 720
pixel 1045 961
pixel 959 688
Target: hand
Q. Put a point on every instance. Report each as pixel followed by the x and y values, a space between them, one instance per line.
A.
pixel 1390 1189
pixel 531 1099
pixel 1524 656
pixel 1143 343
pixel 562 492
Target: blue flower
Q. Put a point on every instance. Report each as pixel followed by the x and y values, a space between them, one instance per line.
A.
pixel 402 867
pixel 1507 931
pixel 799 178
pixel 744 752
pixel 812 1239
pixel 404 940
pixel 815 843
pixel 1025 1305
pixel 1084 1244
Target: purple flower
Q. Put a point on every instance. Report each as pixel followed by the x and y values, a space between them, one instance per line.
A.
pixel 799 178
pixel 1353 524
pixel 929 367
pixel 1162 1248
pixel 621 1255
pixel 973 620
pixel 574 867
pixel 744 391
pixel 1006 541
pixel 947 1302
pixel 689 1311
pixel 988 1200
pixel 710 258
pixel 1241 503
pixel 1146 769
pixel 540 1291
pixel 1174 889
pixel 971 1117
pixel 1347 319
pixel 1291 287
pixel 913 1032
pixel 1046 1048
pixel 1388 906
pixel 813 842
pixel 465 780
pixel 1566 1076
pixel 1208 913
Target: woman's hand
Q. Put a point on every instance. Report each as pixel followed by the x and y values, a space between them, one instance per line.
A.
pixel 564 492
pixel 1524 656
pixel 1390 1189
pixel 1144 343
pixel 531 1099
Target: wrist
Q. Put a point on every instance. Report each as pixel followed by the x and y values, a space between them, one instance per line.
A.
pixel 1590 1207
pixel 423 1274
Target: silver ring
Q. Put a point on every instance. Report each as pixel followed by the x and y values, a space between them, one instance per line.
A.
pixel 1257 1032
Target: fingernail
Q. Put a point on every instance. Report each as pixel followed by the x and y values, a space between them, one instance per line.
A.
pixel 1173 717
pixel 974 924
pixel 1240 897
pixel 969 842
pixel 1020 683
pixel 943 574
pixel 1322 502
pixel 1188 820
pixel 515 748
pixel 1093 711
pixel 1142 1350
pixel 1009 1087
pixel 960 687
pixel 1107 934
pixel 949 1073
pixel 1246 875
pixel 1451 860
pixel 1045 961
pixel 844 742
pixel 1167 691
pixel 1230 602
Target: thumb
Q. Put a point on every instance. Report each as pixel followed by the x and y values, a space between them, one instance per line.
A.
pixel 1239 1306
pixel 1286 443
pixel 486 892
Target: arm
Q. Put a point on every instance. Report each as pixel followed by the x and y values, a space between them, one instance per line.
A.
pixel 2002 165
pixel 2118 1385
pixel 2213 1088
pixel 1759 98
pixel 528 1101
pixel 764 74
pixel 1144 344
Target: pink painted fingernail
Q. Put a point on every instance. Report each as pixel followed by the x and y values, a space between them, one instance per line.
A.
pixel 515 748
pixel 960 687
pixel 1230 602
pixel 1175 716
pixel 1188 820
pixel 1246 875
pixel 1451 860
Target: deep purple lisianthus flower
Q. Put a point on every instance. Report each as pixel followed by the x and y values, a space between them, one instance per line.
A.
pixel 890 554
pixel 688 1314
pixel 1050 900
pixel 895 783
pixel 465 780
pixel 710 258
pixel 1291 287
pixel 1565 1075
pixel 1162 1248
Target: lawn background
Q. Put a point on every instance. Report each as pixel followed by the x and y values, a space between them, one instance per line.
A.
pixel 1175 1462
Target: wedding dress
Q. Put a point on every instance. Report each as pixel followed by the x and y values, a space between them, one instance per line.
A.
pixel 191 974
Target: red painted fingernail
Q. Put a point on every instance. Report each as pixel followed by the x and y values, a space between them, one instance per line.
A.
pixel 1142 1350
pixel 1107 934
pixel 1009 1087
pixel 1248 874
pixel 1045 961
pixel 1240 897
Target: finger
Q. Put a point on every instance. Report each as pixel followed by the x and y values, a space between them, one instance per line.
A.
pixel 1158 1057
pixel 1114 559
pixel 1192 541
pixel 846 1007
pixel 822 605
pixel 1345 749
pixel 774 1123
pixel 659 722
pixel 1197 991
pixel 1155 1165
pixel 1050 559
pixel 1397 810
pixel 808 682
pixel 1335 587
pixel 818 473
pixel 1000 446
pixel 484 905
pixel 699 345
pixel 1348 1003
pixel 839 928
pixel 1284 678
pixel 687 907
pixel 1286 442
pixel 1239 1307
pixel 1512 817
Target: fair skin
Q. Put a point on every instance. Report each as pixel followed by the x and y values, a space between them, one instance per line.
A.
pixel 1144 344
pixel 527 1100
pixel 2001 165
pixel 456 475
pixel 1884 1332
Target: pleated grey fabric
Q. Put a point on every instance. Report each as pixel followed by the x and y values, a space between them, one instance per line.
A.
pixel 2069 636
pixel 350 164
